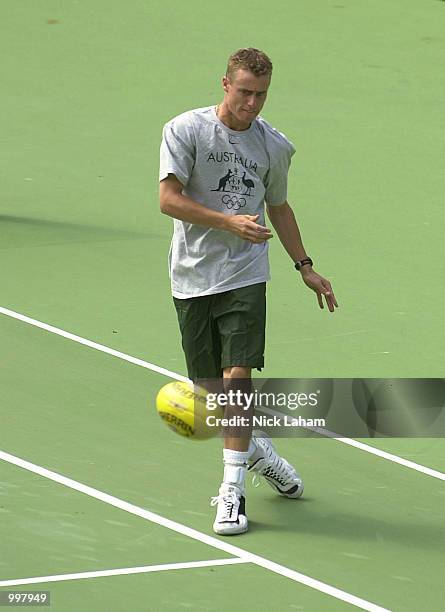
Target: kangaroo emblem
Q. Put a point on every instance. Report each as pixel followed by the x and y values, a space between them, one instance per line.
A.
pixel 223 181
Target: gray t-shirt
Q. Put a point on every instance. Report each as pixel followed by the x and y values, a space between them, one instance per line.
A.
pixel 233 172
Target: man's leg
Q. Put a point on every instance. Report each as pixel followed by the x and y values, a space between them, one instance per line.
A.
pixel 231 514
pixel 200 343
pixel 238 378
pixel 240 317
pixel 217 331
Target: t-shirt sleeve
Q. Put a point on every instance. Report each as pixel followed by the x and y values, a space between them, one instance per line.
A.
pixel 276 180
pixel 177 152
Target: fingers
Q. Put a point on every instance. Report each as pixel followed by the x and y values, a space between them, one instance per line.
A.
pixel 258 229
pixel 331 302
pixel 322 287
pixel 256 238
pixel 329 295
pixel 325 289
pixel 254 232
pixel 259 238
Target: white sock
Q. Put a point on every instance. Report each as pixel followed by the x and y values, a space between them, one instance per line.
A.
pixel 235 465
pixel 254 452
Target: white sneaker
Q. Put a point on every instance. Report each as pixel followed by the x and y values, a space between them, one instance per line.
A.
pixel 278 472
pixel 231 513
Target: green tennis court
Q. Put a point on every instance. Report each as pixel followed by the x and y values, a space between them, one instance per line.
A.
pixel 100 503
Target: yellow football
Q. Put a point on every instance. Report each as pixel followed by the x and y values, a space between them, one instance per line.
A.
pixel 183 408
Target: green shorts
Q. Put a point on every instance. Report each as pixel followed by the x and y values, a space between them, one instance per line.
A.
pixel 222 330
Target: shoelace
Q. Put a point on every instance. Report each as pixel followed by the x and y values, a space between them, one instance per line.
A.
pixel 256 480
pixel 229 500
pixel 279 469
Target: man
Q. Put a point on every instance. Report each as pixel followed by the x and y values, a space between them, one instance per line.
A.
pixel 218 166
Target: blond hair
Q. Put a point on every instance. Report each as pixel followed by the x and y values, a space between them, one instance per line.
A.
pixel 250 59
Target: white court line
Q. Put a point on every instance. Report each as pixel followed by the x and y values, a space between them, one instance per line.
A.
pixel 383 454
pixel 174 375
pixel 365 447
pixel 94 345
pixel 124 570
pixel 194 534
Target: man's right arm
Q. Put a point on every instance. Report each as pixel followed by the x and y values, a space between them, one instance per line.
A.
pixel 175 204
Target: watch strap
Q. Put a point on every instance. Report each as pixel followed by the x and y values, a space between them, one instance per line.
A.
pixel 303 262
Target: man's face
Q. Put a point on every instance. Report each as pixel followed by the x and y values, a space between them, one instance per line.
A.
pixel 246 94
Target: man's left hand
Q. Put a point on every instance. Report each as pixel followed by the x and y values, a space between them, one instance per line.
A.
pixel 321 286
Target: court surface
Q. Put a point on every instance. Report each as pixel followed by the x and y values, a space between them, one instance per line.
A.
pixel 100 503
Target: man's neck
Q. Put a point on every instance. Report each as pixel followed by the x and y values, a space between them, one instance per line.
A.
pixel 229 120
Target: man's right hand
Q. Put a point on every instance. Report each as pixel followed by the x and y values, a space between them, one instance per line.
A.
pixel 245 227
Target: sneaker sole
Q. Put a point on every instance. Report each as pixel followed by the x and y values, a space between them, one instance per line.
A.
pixel 223 530
pixel 295 495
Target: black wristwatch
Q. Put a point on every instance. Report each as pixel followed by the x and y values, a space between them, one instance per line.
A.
pixel 303 262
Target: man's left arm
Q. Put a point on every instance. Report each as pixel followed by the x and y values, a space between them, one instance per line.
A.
pixel 283 220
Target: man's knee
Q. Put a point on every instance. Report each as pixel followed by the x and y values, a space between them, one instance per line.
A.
pixel 237 372
pixel 237 378
pixel 238 383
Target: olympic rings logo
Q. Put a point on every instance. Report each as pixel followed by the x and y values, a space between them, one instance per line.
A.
pixel 233 201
